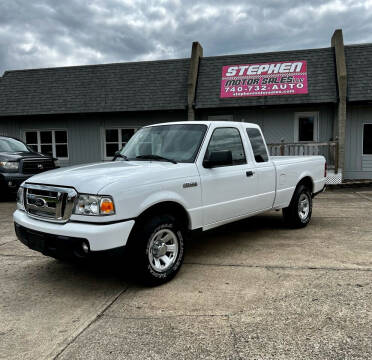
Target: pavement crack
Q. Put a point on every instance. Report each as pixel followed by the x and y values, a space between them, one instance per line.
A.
pixel 280 267
pixel 273 271
pixel 22 256
pixel 363 196
pixel 87 326
pixel 7 242
pixel 234 339
pixel 161 316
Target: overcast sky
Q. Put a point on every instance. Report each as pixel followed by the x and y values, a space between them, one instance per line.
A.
pixel 42 33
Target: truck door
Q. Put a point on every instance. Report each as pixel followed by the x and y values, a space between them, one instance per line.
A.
pixel 227 191
pixel 265 170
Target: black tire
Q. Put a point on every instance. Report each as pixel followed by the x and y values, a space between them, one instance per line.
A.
pixel 292 214
pixel 144 246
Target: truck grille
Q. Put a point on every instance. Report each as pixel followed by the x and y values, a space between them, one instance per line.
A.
pixel 36 166
pixel 49 203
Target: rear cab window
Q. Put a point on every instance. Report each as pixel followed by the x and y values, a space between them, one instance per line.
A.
pixel 258 145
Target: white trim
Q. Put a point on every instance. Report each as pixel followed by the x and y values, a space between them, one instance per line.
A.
pixel 103 136
pixel 23 133
pixel 314 114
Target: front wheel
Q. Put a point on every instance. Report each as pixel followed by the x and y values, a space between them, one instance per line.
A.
pixel 157 250
pixel 298 213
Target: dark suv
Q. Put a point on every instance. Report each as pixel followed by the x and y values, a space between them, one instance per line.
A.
pixel 18 162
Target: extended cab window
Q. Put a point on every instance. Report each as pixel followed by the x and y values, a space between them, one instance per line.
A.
pixel 258 145
pixel 227 139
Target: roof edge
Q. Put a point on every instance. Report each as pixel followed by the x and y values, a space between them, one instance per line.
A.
pixel 266 53
pixel 358 45
pixel 92 65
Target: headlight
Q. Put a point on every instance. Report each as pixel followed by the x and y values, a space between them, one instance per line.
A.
pixel 94 205
pixel 20 199
pixel 9 165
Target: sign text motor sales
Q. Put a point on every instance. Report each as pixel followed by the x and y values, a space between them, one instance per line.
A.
pixel 279 78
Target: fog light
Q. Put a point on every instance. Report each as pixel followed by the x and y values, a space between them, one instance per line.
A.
pixel 85 247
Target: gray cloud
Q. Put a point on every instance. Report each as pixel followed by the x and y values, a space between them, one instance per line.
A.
pixel 43 33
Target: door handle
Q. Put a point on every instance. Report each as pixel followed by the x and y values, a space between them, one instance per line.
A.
pixel 249 173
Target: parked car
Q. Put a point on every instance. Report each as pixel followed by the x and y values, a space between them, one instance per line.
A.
pixel 168 180
pixel 18 162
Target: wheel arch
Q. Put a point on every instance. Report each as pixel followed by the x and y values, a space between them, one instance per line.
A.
pixel 307 181
pixel 166 207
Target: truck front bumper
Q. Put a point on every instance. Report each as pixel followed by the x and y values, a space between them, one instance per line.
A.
pixel 47 237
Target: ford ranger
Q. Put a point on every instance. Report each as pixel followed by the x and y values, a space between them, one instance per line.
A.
pixel 168 180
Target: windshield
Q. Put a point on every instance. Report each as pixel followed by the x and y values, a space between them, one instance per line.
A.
pixel 12 145
pixel 179 142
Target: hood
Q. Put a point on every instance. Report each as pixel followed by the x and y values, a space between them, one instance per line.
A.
pixel 18 155
pixel 92 178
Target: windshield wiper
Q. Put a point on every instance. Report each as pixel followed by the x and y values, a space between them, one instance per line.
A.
pixel 118 154
pixel 155 157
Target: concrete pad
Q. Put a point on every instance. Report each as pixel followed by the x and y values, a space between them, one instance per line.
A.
pixel 7 208
pixel 249 290
pixel 327 318
pixel 13 247
pixel 231 313
pixel 4 239
pixel 365 194
pixel 161 338
pixel 352 202
pixel 44 303
pixel 265 240
pixel 6 225
pixel 197 290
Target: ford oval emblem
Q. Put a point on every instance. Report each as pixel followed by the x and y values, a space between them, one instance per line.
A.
pixel 40 202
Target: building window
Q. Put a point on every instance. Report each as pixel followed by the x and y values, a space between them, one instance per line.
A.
pixel 367 139
pixel 306 126
pixel 258 145
pixel 49 142
pixel 115 139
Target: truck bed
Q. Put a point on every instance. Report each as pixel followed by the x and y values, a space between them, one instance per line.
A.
pixel 291 168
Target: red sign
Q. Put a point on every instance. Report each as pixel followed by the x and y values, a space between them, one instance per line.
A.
pixel 269 79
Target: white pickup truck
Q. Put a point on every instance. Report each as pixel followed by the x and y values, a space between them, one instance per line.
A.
pixel 168 180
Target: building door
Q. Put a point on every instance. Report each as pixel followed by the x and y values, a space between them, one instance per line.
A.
pixel 367 147
pixel 306 127
pixel 358 143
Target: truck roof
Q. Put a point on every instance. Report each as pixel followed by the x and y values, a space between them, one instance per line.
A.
pixel 208 123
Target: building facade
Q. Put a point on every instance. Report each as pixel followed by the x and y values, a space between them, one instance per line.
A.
pixel 316 101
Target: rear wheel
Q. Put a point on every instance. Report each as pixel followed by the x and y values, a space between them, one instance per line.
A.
pixel 298 213
pixel 156 250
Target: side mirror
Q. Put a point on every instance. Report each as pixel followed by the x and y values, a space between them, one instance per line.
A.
pixel 218 158
pixel 116 155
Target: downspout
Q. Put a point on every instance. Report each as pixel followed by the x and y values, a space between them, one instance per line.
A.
pixel 196 54
pixel 337 43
